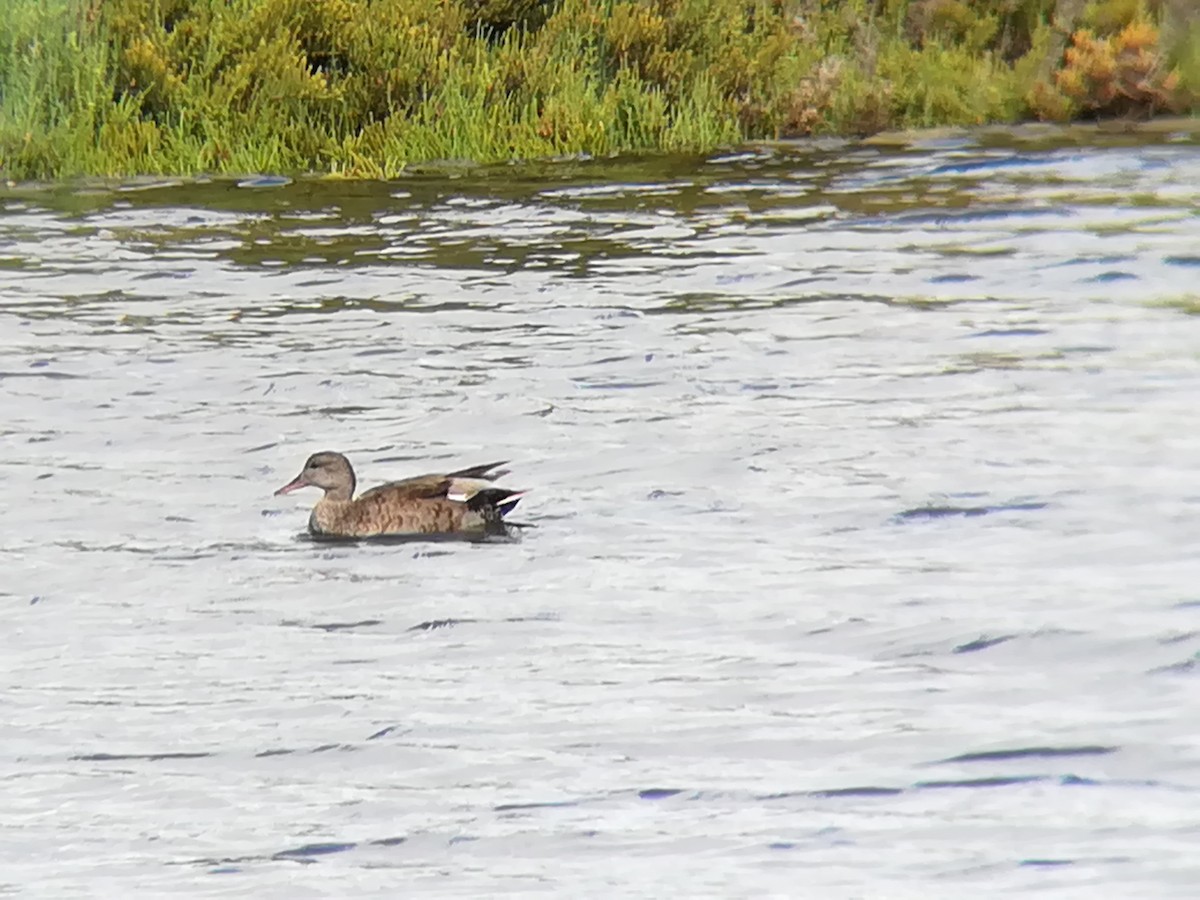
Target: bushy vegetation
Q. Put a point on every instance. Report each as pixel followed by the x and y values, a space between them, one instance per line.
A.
pixel 365 87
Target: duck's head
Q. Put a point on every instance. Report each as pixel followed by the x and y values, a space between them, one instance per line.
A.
pixel 331 472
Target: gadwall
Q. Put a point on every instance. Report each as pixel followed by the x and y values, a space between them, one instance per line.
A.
pixel 458 502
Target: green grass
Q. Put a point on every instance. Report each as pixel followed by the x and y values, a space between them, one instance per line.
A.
pixel 55 88
pixel 368 87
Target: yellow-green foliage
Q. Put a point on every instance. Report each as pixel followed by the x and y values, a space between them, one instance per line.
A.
pixel 365 87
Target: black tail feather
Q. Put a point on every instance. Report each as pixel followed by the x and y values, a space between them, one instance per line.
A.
pixel 492 500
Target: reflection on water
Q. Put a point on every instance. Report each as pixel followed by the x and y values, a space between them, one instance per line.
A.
pixel 865 484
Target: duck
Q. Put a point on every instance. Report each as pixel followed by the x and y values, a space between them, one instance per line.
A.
pixel 457 503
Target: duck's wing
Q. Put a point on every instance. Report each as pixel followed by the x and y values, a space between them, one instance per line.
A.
pixel 420 487
pixel 460 485
pixel 484 472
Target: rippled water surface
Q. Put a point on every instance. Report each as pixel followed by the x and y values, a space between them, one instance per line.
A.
pixel 866 481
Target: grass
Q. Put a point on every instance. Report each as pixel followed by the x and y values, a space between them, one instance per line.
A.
pixel 56 89
pixel 367 87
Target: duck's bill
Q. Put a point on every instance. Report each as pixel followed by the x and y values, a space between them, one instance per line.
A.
pixel 292 486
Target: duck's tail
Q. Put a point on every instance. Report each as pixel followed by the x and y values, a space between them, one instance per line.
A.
pixel 473 485
pixel 499 502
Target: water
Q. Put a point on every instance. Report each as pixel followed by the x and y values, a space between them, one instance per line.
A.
pixel 866 482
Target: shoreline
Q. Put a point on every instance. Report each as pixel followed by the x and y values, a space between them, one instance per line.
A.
pixel 1020 134
pixel 1183 129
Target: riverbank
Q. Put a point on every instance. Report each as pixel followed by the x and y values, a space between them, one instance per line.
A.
pixel 358 88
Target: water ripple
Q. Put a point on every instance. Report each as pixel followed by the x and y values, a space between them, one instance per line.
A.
pixel 849 461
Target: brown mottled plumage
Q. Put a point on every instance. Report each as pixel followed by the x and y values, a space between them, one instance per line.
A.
pixel 462 501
